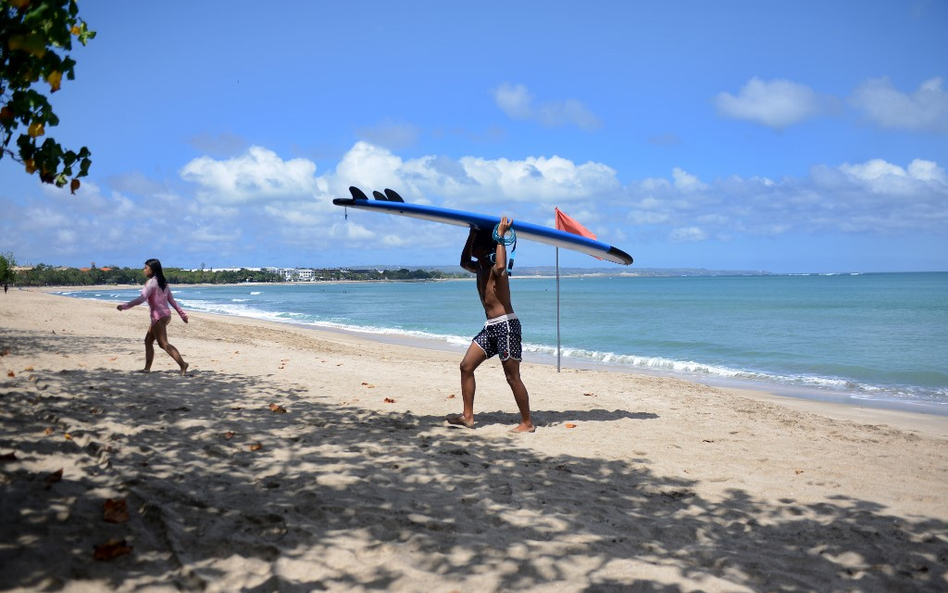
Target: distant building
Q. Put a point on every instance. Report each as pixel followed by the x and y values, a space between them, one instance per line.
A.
pixel 295 274
pixel 226 269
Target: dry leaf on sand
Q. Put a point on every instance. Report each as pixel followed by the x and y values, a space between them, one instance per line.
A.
pixel 115 510
pixel 112 549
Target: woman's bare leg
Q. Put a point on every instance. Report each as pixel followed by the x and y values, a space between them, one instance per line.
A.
pixel 160 331
pixel 149 350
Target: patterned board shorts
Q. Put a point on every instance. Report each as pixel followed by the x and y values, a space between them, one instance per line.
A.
pixel 501 335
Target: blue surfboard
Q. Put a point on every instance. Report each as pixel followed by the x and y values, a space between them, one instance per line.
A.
pixel 391 203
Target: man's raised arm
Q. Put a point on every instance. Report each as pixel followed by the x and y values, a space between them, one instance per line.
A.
pixel 466 261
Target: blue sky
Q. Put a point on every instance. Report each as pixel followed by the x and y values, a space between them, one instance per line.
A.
pixel 794 136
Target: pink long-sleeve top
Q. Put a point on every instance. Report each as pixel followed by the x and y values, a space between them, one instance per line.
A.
pixel 158 301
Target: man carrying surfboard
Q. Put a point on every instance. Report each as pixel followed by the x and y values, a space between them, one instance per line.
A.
pixel 501 334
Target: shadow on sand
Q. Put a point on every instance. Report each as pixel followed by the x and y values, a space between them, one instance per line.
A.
pixel 411 504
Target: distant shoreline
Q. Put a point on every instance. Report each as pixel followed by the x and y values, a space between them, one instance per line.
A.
pixel 515 276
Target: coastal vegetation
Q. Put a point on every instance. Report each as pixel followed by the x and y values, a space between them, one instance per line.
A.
pixel 7 265
pixel 46 275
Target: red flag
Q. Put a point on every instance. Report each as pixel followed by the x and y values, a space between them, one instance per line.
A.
pixel 565 223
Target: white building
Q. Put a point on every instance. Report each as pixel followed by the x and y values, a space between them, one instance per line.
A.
pixel 296 274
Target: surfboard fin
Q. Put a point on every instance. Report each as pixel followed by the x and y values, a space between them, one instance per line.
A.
pixel 379 196
pixel 392 196
pixel 357 194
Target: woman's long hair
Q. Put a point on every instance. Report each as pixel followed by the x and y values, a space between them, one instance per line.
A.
pixel 157 273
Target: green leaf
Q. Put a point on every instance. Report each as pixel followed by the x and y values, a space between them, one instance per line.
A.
pixel 32 43
pixel 34 36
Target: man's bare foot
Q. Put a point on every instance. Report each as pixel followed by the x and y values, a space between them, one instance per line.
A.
pixel 184 369
pixel 524 428
pixel 459 420
pixel 144 371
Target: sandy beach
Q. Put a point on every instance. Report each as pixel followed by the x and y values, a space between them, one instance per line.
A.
pixel 299 460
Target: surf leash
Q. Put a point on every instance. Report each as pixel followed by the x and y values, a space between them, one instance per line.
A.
pixel 509 238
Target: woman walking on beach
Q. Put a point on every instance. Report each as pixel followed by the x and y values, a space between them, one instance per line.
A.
pixel 158 294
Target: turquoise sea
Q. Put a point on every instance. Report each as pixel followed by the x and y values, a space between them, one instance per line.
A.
pixel 871 339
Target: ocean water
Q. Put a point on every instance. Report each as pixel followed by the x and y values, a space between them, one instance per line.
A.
pixel 871 339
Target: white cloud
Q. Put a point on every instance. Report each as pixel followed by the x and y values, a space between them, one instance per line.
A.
pixel 67 238
pixel 641 217
pixel 880 177
pixel 258 175
pixel 391 134
pixel 533 180
pixel 568 112
pixel 391 241
pixel 350 231
pixel 686 182
pixel 776 104
pixel 92 225
pixel 872 170
pixel 875 197
pixel 43 217
pixel 927 171
pixel 211 235
pixel 519 187
pixel 516 101
pixel 687 234
pixel 924 110
pixel 470 181
pixel 368 166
